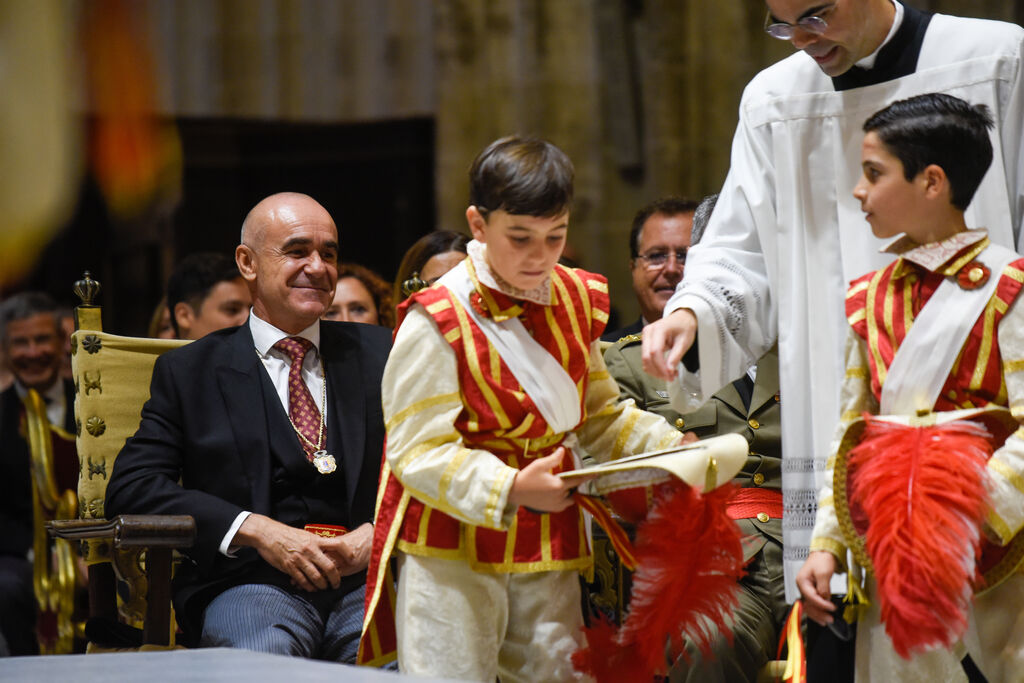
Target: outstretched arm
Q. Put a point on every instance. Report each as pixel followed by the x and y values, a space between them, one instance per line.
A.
pixel 666 340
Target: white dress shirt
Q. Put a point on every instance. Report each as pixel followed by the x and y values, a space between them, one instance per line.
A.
pixel 869 61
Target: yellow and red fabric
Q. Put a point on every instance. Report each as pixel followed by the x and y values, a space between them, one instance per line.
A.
pixel 881 306
pixel 491 414
pixel 326 530
pixel 792 642
pixel 501 418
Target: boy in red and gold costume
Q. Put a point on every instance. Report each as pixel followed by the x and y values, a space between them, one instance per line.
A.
pixel 928 495
pixel 495 384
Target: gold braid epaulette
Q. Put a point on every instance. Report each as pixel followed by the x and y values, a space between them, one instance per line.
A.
pixel 629 339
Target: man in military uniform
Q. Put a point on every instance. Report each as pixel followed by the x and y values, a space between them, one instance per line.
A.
pixel 658 241
pixel 749 406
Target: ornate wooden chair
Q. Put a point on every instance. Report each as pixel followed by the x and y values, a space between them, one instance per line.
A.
pixel 55 572
pixel 111 375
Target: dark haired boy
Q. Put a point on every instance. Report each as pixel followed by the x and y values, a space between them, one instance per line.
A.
pixel 206 293
pixel 938 330
pixel 494 378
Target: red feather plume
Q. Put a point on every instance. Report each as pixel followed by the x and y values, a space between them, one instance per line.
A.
pixel 689 560
pixel 922 490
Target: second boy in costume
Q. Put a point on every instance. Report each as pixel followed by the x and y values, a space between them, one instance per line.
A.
pixel 939 329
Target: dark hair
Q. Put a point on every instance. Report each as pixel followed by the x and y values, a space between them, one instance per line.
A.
pixel 25 305
pixel 194 277
pixel 378 287
pixel 701 216
pixel 424 249
pixel 938 129
pixel 666 206
pixel 523 176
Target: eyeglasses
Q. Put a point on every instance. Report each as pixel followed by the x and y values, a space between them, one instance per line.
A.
pixel 657 259
pixel 812 24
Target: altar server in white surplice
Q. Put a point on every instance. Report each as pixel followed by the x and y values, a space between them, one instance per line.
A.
pixel 787 234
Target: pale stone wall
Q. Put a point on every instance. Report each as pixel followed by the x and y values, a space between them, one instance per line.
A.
pixel 642 94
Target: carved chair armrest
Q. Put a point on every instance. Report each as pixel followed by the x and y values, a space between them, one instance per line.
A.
pixel 158 535
pixel 131 531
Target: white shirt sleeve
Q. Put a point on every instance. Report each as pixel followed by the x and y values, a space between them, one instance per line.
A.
pixel 225 545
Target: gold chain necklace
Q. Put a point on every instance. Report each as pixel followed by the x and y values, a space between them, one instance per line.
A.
pixel 318 446
pixel 322 460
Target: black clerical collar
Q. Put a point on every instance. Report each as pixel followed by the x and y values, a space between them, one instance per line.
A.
pixel 896 59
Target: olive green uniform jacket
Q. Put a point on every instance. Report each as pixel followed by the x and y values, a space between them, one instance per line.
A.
pixel 762 598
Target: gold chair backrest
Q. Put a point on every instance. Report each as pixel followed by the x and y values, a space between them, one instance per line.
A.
pixel 111 375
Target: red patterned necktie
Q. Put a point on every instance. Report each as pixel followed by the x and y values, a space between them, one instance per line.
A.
pixel 302 408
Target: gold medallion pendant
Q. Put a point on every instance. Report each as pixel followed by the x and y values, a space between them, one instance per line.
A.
pixel 324 462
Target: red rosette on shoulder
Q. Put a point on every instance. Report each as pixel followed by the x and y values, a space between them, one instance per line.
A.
pixel 973 275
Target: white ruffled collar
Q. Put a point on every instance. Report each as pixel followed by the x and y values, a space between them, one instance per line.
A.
pixel 487 277
pixel 934 255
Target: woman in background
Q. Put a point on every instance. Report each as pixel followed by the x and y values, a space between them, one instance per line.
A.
pixel 361 296
pixel 430 257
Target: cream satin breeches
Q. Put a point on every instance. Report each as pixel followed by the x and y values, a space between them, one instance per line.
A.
pixel 453 622
pixel 994 639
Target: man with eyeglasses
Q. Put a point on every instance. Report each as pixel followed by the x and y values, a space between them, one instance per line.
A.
pixel 658 242
pixel 751 407
pixel 787 234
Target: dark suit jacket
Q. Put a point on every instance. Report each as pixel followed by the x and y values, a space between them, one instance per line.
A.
pixel 15 474
pixel 215 421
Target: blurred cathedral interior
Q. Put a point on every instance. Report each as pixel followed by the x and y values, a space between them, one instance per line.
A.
pixel 142 131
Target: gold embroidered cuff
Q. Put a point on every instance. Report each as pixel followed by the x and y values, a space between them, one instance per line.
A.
pixel 833 546
pixel 999 527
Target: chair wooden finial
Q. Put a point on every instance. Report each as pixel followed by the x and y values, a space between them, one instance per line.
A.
pixel 87 289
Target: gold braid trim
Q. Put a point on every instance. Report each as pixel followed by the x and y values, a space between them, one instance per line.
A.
pixel 1009 564
pixel 1013 273
pixel 856 289
pixel 492 511
pixel 419 449
pixel 419 406
pixel 854 541
pixel 624 434
pixel 1007 473
pixel 999 526
pixel 968 256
